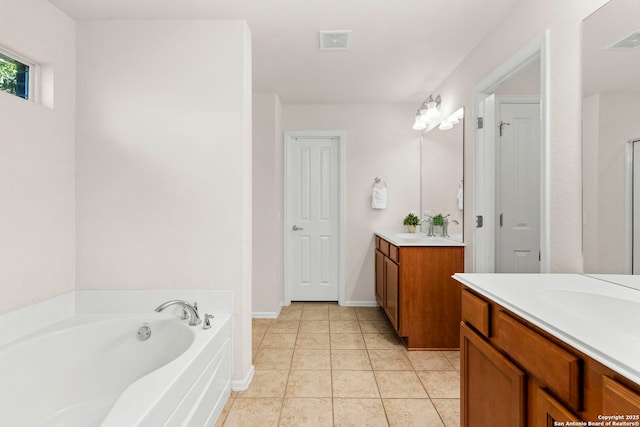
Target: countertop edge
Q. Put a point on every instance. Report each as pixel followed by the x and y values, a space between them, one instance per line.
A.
pixel 423 242
pixel 598 355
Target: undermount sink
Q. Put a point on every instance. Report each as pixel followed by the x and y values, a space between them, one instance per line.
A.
pixel 419 236
pixel 412 235
pixel 596 308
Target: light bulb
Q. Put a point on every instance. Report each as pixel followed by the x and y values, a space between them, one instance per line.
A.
pixel 445 125
pixel 432 111
pixel 419 124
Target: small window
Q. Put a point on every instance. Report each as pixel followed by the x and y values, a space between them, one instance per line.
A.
pixel 14 76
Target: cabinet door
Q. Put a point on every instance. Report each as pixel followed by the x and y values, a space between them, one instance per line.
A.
pixel 619 400
pixel 549 412
pixel 493 389
pixel 391 291
pixel 380 277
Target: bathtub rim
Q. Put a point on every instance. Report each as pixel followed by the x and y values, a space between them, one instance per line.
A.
pixel 166 375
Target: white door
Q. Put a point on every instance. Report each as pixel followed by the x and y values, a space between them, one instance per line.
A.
pixel 312 200
pixel 518 191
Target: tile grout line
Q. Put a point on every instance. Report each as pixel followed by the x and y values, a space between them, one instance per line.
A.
pixel 375 378
pixel 332 365
pixel 333 406
pixel 284 394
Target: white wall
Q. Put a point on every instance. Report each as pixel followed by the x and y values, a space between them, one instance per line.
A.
pixel 37 214
pixel 591 189
pixel 380 142
pixel 164 161
pixel 268 245
pixel 613 121
pixel 618 124
pixel 524 82
pixel 527 21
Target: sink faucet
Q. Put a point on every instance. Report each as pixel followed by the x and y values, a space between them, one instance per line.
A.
pixel 429 220
pixel 188 310
pixel 445 232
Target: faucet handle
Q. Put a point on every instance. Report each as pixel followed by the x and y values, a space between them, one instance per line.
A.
pixel 207 321
pixel 185 310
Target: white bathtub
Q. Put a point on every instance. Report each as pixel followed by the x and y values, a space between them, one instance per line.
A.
pixel 92 370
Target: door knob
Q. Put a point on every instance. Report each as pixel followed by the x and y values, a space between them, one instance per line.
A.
pixel 296 228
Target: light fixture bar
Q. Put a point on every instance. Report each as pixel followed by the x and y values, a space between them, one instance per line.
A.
pixel 428 111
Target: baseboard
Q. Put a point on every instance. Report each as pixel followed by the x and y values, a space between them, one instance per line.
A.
pixel 361 304
pixel 243 384
pixel 268 314
pixel 275 314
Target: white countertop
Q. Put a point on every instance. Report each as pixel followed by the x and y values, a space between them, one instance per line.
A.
pixel 417 239
pixel 598 315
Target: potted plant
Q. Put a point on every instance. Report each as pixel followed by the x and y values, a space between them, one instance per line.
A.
pixel 411 221
pixel 438 224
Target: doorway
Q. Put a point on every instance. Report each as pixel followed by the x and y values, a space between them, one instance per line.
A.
pixel 488 249
pixel 313 216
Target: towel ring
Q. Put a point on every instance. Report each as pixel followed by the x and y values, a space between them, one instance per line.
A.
pixel 379 180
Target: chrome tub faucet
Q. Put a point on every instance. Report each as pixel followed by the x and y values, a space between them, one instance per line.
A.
pixel 188 310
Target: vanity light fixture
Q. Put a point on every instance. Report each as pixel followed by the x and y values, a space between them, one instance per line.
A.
pixel 433 108
pixel 428 111
pixel 419 124
pixel 453 119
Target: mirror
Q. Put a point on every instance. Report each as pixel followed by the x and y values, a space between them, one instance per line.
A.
pixel 441 174
pixel 610 124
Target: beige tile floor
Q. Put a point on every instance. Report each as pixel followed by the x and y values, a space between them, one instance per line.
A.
pixel 324 365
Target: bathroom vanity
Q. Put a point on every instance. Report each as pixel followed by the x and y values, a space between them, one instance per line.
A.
pixel 415 289
pixel 549 350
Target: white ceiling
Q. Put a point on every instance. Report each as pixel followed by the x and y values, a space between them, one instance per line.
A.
pixel 401 49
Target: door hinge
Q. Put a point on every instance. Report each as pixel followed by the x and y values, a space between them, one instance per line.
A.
pixel 501 219
pixel 480 124
pixel 479 221
pixel 539 255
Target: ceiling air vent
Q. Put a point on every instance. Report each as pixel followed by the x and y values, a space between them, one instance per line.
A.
pixel 632 41
pixel 335 40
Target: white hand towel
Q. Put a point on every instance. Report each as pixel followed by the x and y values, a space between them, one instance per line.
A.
pixel 379 198
pixel 460 197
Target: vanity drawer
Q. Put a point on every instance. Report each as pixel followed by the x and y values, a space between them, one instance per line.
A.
pixel 383 245
pixel 394 253
pixel 476 312
pixel 558 369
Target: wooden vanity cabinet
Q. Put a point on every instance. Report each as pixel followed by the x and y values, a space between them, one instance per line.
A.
pixel 380 279
pixel 548 411
pixel 515 368
pixel 618 399
pixel 391 291
pixel 415 289
pixel 493 388
pixel 387 281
